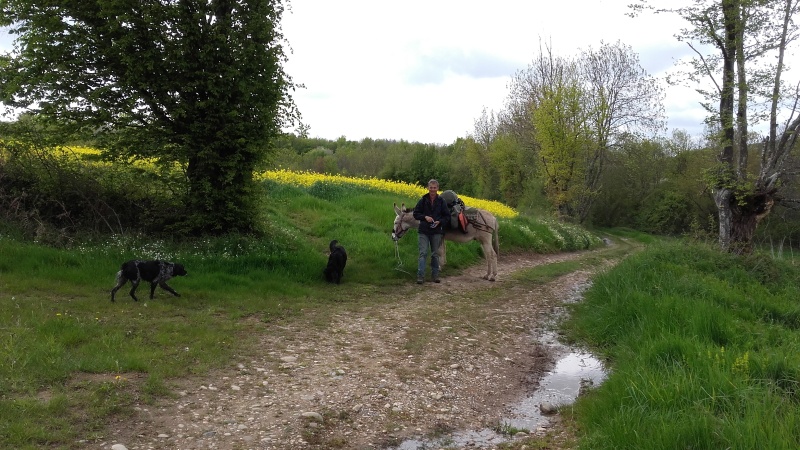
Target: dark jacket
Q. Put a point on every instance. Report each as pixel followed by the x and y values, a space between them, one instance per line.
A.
pixel 438 210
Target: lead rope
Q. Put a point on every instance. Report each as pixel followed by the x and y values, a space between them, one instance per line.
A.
pixel 399 266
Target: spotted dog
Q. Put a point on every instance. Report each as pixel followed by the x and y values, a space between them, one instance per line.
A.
pixel 336 262
pixel 154 272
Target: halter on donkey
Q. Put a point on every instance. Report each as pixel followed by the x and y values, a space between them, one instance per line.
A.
pixel 484 229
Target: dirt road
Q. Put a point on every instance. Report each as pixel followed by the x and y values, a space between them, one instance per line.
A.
pixel 424 361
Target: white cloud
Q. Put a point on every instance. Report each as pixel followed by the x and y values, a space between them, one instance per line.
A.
pixel 424 71
pixel 435 66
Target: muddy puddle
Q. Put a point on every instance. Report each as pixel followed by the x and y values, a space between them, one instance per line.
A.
pixel 573 371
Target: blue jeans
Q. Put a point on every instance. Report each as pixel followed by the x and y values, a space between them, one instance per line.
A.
pixel 431 242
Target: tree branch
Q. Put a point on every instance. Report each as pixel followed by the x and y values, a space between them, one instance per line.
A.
pixel 705 66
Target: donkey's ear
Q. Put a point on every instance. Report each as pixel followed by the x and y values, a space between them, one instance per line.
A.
pixel 397 210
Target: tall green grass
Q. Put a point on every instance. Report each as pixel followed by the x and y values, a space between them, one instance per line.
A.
pixel 70 360
pixel 703 349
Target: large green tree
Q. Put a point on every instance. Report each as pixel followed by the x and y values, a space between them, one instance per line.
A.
pixel 574 110
pixel 564 146
pixel 745 69
pixel 197 82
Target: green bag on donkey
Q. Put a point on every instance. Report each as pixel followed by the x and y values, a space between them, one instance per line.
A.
pixel 456 207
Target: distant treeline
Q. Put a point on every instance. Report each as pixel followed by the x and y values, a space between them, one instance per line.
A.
pixel 657 185
pixel 652 185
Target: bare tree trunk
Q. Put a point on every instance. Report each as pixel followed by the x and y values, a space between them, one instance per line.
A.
pixel 722 197
pixel 742 231
pixel 745 220
pixel 741 110
pixel 739 218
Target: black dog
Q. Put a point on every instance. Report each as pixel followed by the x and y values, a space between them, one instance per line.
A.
pixel 336 262
pixel 154 272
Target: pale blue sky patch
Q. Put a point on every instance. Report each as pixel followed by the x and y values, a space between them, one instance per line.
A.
pixel 434 67
pixel 6 40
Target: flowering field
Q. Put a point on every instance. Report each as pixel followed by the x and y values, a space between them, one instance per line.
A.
pixel 307 179
pixel 87 154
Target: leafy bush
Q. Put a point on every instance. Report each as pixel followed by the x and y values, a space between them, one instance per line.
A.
pixel 52 194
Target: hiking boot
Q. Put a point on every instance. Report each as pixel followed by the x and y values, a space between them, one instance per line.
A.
pixel 437 280
pixel 420 280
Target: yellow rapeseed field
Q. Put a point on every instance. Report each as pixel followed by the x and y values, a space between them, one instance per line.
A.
pixel 306 179
pixel 406 189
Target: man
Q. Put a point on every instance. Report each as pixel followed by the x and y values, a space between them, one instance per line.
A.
pixel 432 213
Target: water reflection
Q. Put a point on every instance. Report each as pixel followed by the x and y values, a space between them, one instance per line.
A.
pixel 559 387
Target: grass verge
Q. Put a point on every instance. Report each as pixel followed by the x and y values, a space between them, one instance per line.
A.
pixel 73 362
pixel 703 350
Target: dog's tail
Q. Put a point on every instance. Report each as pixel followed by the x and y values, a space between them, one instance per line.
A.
pixel 121 278
pixel 334 244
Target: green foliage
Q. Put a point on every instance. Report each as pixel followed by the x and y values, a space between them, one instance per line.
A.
pixel 746 46
pixel 665 212
pixel 513 168
pixel 410 162
pixel 572 113
pixel 779 233
pixel 647 187
pixel 456 173
pixel 149 75
pixel 631 235
pixel 479 159
pixel 723 177
pixel 332 192
pixel 632 174
pixel 702 347
pixel 533 200
pixel 563 138
pixel 423 165
pixel 546 236
pixel 51 195
pixel 413 163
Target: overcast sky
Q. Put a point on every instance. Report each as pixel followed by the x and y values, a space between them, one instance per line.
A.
pixel 424 70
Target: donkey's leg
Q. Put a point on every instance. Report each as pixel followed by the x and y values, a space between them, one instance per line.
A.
pixel 493 264
pixel 442 252
pixel 491 259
